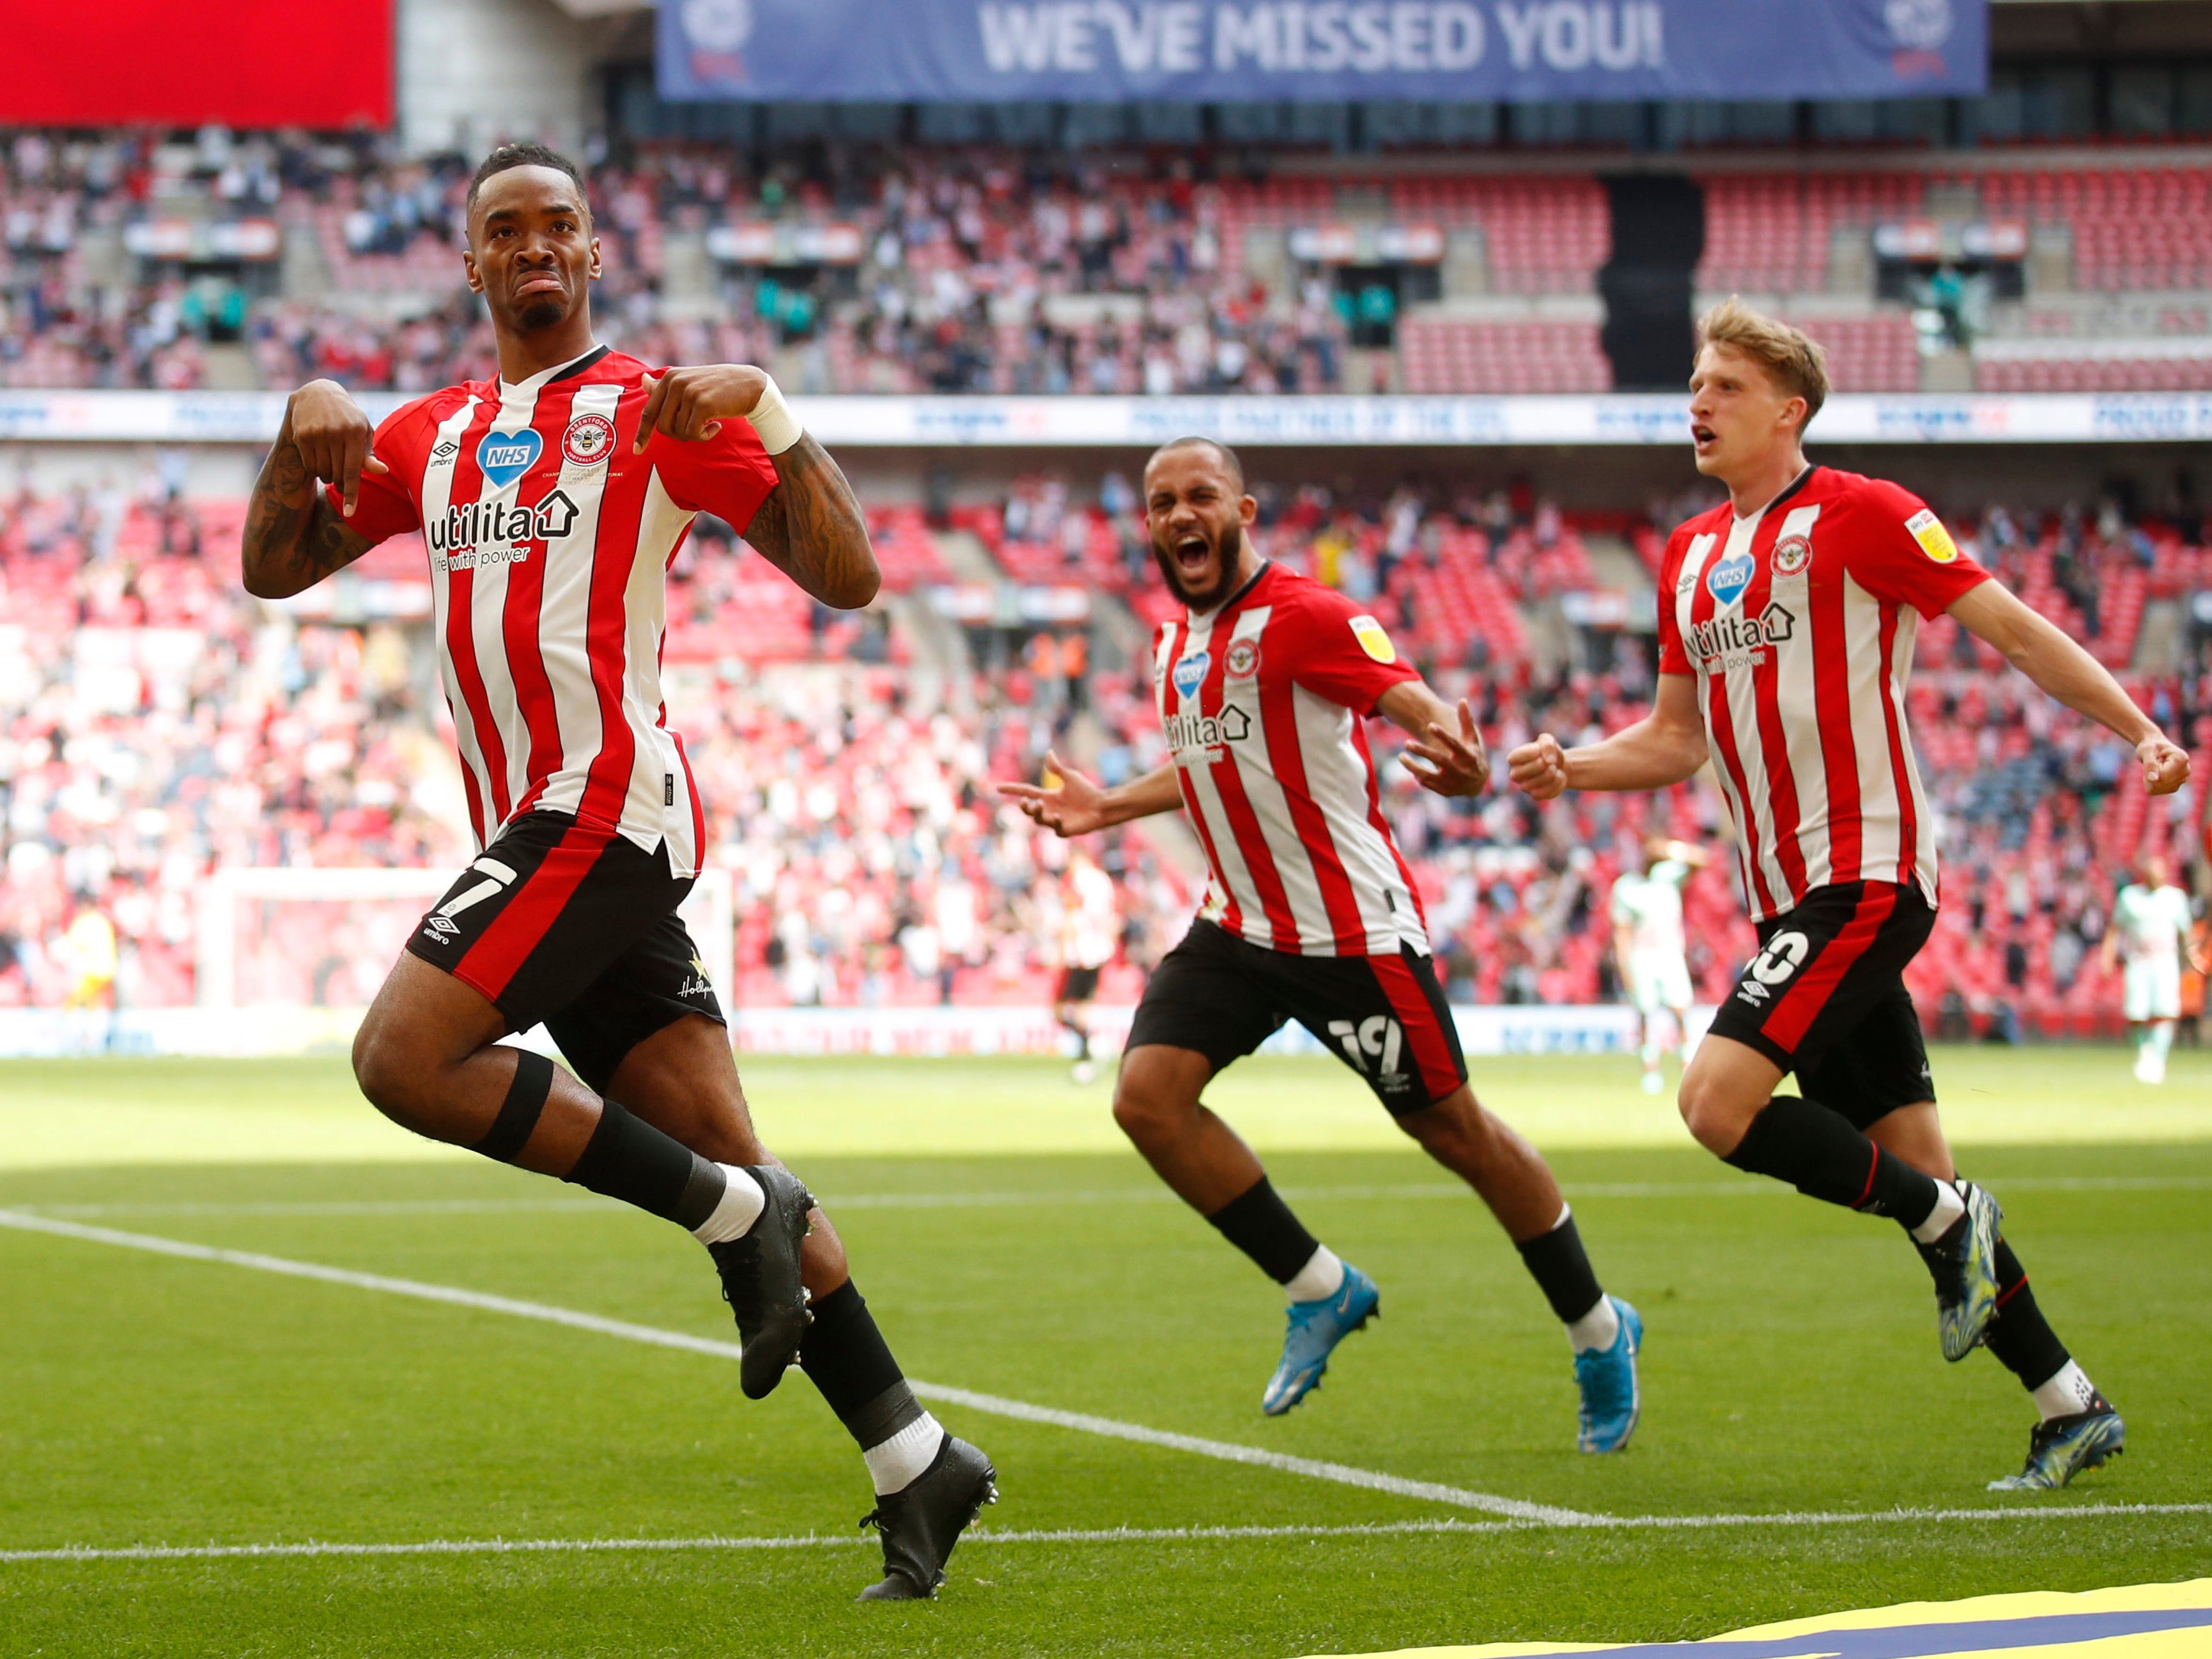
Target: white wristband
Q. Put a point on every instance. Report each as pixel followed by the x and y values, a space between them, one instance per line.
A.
pixel 772 418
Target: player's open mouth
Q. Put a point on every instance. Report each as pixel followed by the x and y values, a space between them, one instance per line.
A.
pixel 1703 436
pixel 1193 554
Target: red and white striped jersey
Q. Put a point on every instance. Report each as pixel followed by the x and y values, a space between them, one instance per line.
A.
pixel 549 545
pixel 1799 625
pixel 1261 699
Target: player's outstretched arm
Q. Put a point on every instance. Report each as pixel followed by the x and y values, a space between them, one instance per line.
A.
pixel 1666 746
pixel 811 527
pixel 1447 739
pixel 294 538
pixel 1076 806
pixel 2057 663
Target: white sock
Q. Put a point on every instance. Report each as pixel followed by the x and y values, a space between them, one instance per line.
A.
pixel 901 1460
pixel 2161 1044
pixel 1596 1329
pixel 1322 1275
pixel 2068 1392
pixel 743 1200
pixel 1949 1206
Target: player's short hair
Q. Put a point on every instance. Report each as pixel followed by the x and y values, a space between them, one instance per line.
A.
pixel 508 157
pixel 1228 456
pixel 1791 357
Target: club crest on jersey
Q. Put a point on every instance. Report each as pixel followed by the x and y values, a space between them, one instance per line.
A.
pixel 1243 660
pixel 1190 672
pixel 503 457
pixel 1791 555
pixel 589 440
pixel 1729 577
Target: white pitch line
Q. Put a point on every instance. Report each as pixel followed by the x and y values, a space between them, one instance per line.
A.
pixel 1226 1451
pixel 926 1200
pixel 805 1540
pixel 1062 1536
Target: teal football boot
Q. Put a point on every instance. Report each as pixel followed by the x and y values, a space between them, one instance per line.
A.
pixel 1612 1401
pixel 1315 1328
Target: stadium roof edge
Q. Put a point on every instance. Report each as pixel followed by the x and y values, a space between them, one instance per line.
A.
pixel 1614 420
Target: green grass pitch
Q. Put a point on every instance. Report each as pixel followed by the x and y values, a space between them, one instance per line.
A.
pixel 1011 1246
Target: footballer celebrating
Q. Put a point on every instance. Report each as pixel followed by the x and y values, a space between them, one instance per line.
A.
pixel 552 498
pixel 1311 914
pixel 1787 617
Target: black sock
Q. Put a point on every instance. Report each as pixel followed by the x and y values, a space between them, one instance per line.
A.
pixel 845 1355
pixel 1816 1152
pixel 1561 1269
pixel 629 1159
pixel 1258 1223
pixel 2019 1336
pixel 1082 1043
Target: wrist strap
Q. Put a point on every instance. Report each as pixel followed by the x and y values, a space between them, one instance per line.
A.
pixel 772 419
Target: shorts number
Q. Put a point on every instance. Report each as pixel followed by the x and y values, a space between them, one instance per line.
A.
pixel 1378 1038
pixel 1784 954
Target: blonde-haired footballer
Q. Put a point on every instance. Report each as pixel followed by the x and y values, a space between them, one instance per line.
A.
pixel 1787 618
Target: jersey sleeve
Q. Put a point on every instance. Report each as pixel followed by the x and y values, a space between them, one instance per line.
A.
pixel 385 506
pixel 1341 652
pixel 1672 660
pixel 728 474
pixel 1900 552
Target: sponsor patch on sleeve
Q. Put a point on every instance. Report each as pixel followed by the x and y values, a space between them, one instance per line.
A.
pixel 1373 640
pixel 1935 541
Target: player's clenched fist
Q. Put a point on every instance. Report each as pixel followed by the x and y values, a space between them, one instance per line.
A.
pixel 2165 764
pixel 688 404
pixel 1539 768
pixel 332 434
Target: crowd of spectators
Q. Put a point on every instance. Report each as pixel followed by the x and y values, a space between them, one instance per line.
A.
pixel 156 726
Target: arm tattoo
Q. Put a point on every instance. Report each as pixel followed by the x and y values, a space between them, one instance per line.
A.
pixel 294 537
pixel 811 527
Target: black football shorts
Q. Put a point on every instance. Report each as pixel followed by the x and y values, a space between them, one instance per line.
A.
pixel 1825 998
pixel 576 929
pixel 1385 1017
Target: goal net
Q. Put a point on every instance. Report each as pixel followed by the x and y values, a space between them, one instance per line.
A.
pixel 292 938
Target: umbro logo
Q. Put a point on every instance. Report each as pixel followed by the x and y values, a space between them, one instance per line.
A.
pixel 441 929
pixel 1753 992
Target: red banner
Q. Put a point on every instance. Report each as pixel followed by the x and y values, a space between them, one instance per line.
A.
pixel 326 64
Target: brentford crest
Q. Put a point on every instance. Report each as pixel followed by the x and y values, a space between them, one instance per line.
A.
pixel 588 440
pixel 1791 555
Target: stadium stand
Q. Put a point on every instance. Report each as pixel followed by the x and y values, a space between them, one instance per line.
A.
pixel 155 722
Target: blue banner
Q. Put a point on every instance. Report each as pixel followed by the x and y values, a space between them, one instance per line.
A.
pixel 1257 51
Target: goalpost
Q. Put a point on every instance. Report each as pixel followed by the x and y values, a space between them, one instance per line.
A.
pixel 285 940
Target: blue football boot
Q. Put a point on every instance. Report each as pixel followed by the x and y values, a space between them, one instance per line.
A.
pixel 2061 1449
pixel 1315 1328
pixel 1612 1401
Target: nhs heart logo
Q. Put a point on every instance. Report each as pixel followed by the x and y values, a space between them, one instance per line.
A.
pixel 1189 673
pixel 1729 577
pixel 503 457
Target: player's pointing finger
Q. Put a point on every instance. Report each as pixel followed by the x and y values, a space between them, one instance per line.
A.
pixel 650 413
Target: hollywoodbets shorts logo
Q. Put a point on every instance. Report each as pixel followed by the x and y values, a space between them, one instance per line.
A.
pixel 497 533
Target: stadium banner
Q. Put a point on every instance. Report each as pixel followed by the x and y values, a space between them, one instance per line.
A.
pixel 917 1032
pixel 152 63
pixel 1614 420
pixel 1251 50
